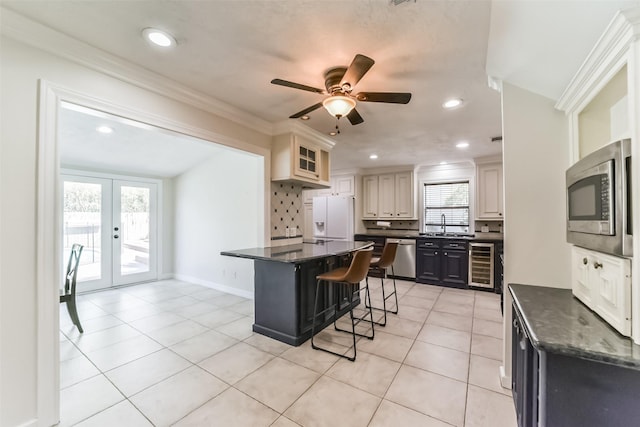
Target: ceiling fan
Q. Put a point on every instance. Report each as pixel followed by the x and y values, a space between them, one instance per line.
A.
pixel 339 83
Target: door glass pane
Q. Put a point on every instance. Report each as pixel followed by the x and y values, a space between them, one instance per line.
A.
pixel 134 229
pixel 82 224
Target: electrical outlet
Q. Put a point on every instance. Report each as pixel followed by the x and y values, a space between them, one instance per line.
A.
pixel 286 232
pixel 293 231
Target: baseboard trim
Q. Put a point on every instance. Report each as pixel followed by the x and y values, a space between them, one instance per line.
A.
pixel 30 423
pixel 505 380
pixel 216 286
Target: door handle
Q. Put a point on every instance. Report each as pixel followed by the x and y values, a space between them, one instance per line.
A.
pixel 115 236
pixel 597 265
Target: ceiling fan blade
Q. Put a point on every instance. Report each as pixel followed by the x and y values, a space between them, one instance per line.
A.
pixel 305 111
pixel 390 97
pixel 358 68
pixel 354 117
pixel 296 85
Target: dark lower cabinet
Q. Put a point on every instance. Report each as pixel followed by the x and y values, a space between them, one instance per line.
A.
pixel 555 389
pixel 442 262
pixel 524 375
pixel 378 246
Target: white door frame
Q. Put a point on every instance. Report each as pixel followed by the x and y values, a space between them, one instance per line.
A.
pixel 49 223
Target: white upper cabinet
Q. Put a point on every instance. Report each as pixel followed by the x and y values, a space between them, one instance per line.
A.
pixel 301 159
pixel 389 196
pixel 370 197
pixel 489 197
pixel 405 195
pixel 341 185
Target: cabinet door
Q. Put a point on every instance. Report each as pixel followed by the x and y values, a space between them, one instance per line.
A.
pixel 489 193
pixel 307 232
pixel 343 186
pixel 428 266
pixel 404 195
pixel 428 261
pixel 455 268
pixel 370 197
pixel 610 283
pixel 580 275
pixel 305 159
pixel 387 199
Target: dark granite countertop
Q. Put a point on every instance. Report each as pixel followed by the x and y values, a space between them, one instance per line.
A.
pixel 299 253
pixel 414 234
pixel 398 234
pixel 558 323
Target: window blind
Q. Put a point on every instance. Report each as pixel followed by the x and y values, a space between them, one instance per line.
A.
pixel 450 199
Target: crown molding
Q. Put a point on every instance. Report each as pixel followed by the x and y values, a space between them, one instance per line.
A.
pixel 606 58
pixel 295 126
pixel 24 30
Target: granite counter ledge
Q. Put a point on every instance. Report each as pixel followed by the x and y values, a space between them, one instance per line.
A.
pixel 299 253
pixel 558 323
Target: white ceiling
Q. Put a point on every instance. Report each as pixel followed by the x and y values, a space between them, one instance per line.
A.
pixel 131 148
pixel 230 50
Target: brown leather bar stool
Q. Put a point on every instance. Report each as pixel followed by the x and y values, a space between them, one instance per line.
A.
pixel 347 278
pixel 385 261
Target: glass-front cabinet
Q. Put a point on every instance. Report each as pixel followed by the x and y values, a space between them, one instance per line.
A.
pixel 301 158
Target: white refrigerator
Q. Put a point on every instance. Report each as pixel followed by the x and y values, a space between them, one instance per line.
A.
pixel 333 217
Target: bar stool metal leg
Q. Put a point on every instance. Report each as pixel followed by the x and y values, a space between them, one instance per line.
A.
pixel 349 278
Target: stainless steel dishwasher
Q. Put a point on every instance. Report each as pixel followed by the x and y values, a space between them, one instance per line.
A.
pixel 404 266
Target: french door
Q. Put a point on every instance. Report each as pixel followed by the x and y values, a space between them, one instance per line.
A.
pixel 115 220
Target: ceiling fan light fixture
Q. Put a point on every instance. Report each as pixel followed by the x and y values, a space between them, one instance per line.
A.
pixel 159 37
pixel 339 105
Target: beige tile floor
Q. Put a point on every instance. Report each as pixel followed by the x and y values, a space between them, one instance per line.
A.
pixel 174 353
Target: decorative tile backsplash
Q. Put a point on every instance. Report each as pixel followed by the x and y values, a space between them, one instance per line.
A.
pixel 286 209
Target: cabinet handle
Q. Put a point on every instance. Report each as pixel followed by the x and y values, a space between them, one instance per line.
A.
pixel 597 265
pixel 585 261
pixel 435 253
pixel 445 254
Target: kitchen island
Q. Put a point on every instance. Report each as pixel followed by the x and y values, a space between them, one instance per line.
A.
pixel 285 283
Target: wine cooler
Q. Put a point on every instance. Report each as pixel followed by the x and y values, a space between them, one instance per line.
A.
pixel 481 266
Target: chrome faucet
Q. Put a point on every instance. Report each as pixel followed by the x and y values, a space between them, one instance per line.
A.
pixel 443 222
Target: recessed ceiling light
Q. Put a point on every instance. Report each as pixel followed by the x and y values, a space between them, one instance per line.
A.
pixel 373 156
pixel 159 37
pixel 104 129
pixel 305 118
pixel 452 103
pixel 333 133
pixel 462 144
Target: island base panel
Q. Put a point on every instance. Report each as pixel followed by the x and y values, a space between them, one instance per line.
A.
pixel 276 306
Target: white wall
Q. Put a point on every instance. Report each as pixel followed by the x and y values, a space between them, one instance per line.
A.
pixel 536 155
pixel 218 206
pixel 21 68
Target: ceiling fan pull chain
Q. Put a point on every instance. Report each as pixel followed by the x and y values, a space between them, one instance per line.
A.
pixel 337 127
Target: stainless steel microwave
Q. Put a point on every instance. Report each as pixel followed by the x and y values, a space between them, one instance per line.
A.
pixel 599 200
